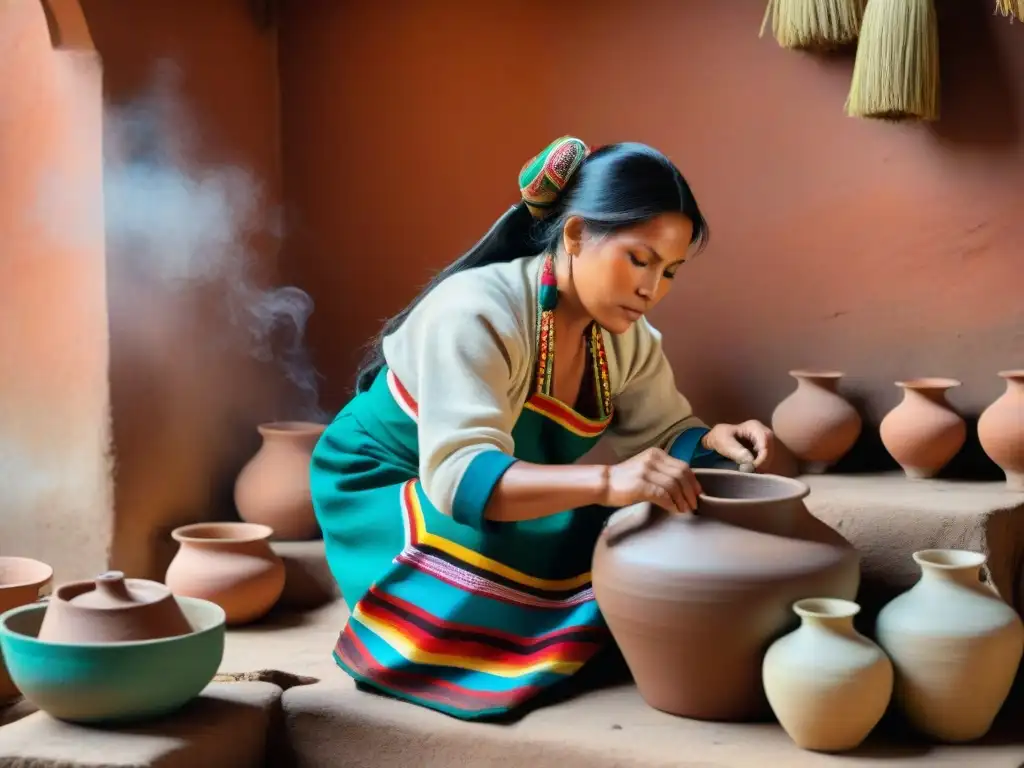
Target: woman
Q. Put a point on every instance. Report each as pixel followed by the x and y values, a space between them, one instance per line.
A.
pixel 456 521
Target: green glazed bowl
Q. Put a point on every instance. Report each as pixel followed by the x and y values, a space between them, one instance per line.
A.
pixel 112 682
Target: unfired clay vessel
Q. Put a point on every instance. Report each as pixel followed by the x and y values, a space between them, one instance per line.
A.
pixel 230 564
pixel 955 644
pixel 693 600
pixel 923 432
pixel 1001 430
pixel 827 684
pixel 273 488
pixel 815 422
pixel 112 609
pixel 21 581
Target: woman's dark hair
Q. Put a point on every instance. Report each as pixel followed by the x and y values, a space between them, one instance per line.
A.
pixel 617 186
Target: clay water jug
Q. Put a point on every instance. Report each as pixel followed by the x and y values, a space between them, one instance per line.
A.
pixel 815 422
pixel 955 644
pixel 230 564
pixel 21 581
pixel 923 433
pixel 693 600
pixel 1001 430
pixel 112 609
pixel 273 488
pixel 824 667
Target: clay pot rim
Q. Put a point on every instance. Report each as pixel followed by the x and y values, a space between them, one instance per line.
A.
pixel 798 489
pixel 1012 373
pixel 810 373
pixel 33 581
pixel 825 608
pixel 212 618
pixel 291 428
pixel 246 533
pixel 949 559
pixel 929 382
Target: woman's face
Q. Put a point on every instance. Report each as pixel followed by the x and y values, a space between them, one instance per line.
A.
pixel 620 277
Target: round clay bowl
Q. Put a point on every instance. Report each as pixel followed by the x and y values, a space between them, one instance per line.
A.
pixel 112 682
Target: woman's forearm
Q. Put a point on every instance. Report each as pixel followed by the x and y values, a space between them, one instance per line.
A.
pixel 528 491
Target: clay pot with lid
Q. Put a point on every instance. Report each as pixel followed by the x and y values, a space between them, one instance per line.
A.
pixel 273 487
pixel 230 564
pixel 693 600
pixel 22 579
pixel 1001 430
pixel 815 422
pixel 112 609
pixel 923 433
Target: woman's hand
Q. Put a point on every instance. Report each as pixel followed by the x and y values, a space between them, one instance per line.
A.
pixel 748 443
pixel 652 476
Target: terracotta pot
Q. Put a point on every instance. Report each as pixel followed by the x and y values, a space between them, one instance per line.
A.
pixel 230 564
pixel 693 600
pixel 815 422
pixel 21 581
pixel 823 667
pixel 1001 430
pixel 112 609
pixel 955 644
pixel 273 488
pixel 923 432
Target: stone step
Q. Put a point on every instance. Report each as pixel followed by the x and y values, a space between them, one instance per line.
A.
pixel 227 725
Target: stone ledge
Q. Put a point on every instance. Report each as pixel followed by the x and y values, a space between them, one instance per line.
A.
pixel 226 727
pixel 331 725
pixel 887 518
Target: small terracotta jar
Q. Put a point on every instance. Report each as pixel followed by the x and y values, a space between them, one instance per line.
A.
pixel 923 433
pixel 273 488
pixel 815 422
pixel 1001 430
pixel 112 609
pixel 230 564
pixel 21 582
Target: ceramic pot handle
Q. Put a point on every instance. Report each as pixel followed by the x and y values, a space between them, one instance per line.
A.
pixel 627 520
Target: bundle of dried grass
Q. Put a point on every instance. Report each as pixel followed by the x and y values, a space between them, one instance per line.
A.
pixel 1012 8
pixel 896 73
pixel 814 24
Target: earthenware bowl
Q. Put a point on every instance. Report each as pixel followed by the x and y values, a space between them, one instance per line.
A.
pixel 113 682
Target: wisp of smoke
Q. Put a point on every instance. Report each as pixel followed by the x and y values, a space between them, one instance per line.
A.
pixel 186 230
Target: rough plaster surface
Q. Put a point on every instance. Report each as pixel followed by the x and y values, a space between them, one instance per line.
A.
pixel 54 393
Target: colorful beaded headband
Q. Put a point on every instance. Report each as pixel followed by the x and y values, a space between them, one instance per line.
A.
pixel 544 177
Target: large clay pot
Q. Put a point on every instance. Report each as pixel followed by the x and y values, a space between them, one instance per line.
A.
pixel 693 600
pixel 1001 430
pixel 273 488
pixel 112 609
pixel 230 564
pixel 923 432
pixel 955 644
pixel 823 667
pixel 21 581
pixel 815 422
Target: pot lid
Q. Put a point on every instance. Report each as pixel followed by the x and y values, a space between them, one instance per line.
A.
pixel 111 590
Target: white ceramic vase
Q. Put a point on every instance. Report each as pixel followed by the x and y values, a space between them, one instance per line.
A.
pixel 827 684
pixel 955 644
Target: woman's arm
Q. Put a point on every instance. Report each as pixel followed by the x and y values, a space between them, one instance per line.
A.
pixel 528 491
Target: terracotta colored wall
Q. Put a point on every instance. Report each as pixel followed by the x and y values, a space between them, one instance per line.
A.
pixel 54 418
pixel 887 251
pixel 192 89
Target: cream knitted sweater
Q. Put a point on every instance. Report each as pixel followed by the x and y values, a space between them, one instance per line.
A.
pixel 467 355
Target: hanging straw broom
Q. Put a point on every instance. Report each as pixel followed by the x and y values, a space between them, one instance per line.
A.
pixel 814 24
pixel 896 73
pixel 1012 8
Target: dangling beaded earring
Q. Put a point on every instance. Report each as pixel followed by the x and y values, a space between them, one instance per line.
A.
pixel 548 294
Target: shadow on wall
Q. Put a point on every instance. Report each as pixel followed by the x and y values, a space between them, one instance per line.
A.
pixel 201 350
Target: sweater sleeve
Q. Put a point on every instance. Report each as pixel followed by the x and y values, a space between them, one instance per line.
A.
pixel 649 410
pixel 457 355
